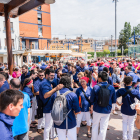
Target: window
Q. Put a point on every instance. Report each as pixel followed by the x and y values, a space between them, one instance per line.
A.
pixel 39 16
pixel 23 44
pixel 13 46
pixel 11 25
pixel 39 8
pixel 40 31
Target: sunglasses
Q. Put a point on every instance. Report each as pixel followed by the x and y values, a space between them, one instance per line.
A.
pixel 41 75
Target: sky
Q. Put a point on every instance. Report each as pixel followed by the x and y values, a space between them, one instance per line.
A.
pixel 92 18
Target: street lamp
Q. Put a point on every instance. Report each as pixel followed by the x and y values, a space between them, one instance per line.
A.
pixel 115 27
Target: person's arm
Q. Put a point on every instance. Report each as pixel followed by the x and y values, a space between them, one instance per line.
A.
pixel 37 93
pixel 137 121
pixel 28 115
pixel 48 94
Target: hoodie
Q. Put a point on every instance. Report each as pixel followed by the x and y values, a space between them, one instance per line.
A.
pixel 6 123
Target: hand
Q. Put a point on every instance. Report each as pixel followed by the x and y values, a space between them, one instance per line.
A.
pixel 77 113
pixel 60 86
pixel 119 104
pixel 91 110
pixel 137 107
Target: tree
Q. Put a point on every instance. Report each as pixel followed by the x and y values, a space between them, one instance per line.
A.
pixel 118 51
pixel 124 36
pixel 106 52
pixel 126 51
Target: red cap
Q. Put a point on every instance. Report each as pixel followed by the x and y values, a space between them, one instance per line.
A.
pixel 101 63
pixel 92 64
pixel 86 79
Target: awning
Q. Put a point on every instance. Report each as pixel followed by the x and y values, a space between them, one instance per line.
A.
pixel 79 54
pixel 74 47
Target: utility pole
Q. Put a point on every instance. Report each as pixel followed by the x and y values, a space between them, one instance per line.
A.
pixel 81 42
pixel 111 42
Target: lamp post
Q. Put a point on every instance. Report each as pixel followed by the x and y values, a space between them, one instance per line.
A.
pixel 115 27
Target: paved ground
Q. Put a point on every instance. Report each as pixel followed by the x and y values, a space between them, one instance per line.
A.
pixel 115 132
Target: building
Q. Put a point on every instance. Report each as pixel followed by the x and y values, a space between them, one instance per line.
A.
pixel 75 45
pixel 14 22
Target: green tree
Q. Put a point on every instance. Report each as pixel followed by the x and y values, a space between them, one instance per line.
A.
pixel 106 52
pixel 124 35
pixel 118 51
pixel 126 51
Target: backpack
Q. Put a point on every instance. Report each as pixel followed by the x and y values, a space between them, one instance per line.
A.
pixel 103 96
pixel 59 110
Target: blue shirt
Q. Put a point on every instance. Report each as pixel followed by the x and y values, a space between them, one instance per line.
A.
pixel 128 100
pixel 4 87
pixel 43 67
pixel 133 69
pixel 100 68
pixel 110 81
pixel 43 88
pixel 28 91
pixel 110 70
pixel 23 77
pixel 94 99
pixel 79 69
pixel 6 123
pixel 54 83
pixel 84 102
pixel 75 78
pixel 36 86
pixel 20 124
pixel 72 103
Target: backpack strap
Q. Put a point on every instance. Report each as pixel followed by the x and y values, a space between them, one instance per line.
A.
pixel 128 91
pixel 107 85
pixel 58 92
pixel 66 93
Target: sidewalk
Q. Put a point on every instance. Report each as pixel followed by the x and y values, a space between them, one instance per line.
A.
pixel 115 132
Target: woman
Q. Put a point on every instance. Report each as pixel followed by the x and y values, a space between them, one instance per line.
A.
pixel 94 76
pixel 83 93
pixel 80 75
pixel 28 87
pixel 88 74
pixel 16 73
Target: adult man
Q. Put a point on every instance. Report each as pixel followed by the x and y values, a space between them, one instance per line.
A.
pixel 61 68
pixel 5 85
pixel 33 75
pixel 2 79
pixel 73 106
pixel 82 67
pixel 45 91
pixel 10 105
pixel 101 114
pixel 136 80
pixel 41 121
pixel 25 74
pixel 20 128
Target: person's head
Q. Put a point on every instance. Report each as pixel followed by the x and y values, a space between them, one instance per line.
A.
pixel 128 69
pixel 82 65
pixel 95 70
pixel 15 84
pixel 59 72
pixel 80 75
pixel 86 73
pixel 106 69
pixel 24 69
pixel 2 79
pixel 11 102
pixel 73 69
pixel 66 81
pixel 28 82
pixel 116 71
pixel 130 64
pixel 128 80
pixel 111 64
pixel 41 74
pixel 114 65
pixel 33 74
pixel 16 70
pixel 69 66
pixel 50 73
pixel 84 81
pixel 102 76
pixel 60 65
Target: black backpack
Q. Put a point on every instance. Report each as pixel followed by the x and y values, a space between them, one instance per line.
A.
pixel 103 96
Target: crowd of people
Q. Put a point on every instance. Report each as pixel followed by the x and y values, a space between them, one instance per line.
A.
pixel 62 97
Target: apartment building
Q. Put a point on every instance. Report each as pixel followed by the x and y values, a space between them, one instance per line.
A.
pixel 14 22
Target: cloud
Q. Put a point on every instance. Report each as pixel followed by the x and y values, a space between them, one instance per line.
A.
pixel 92 18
